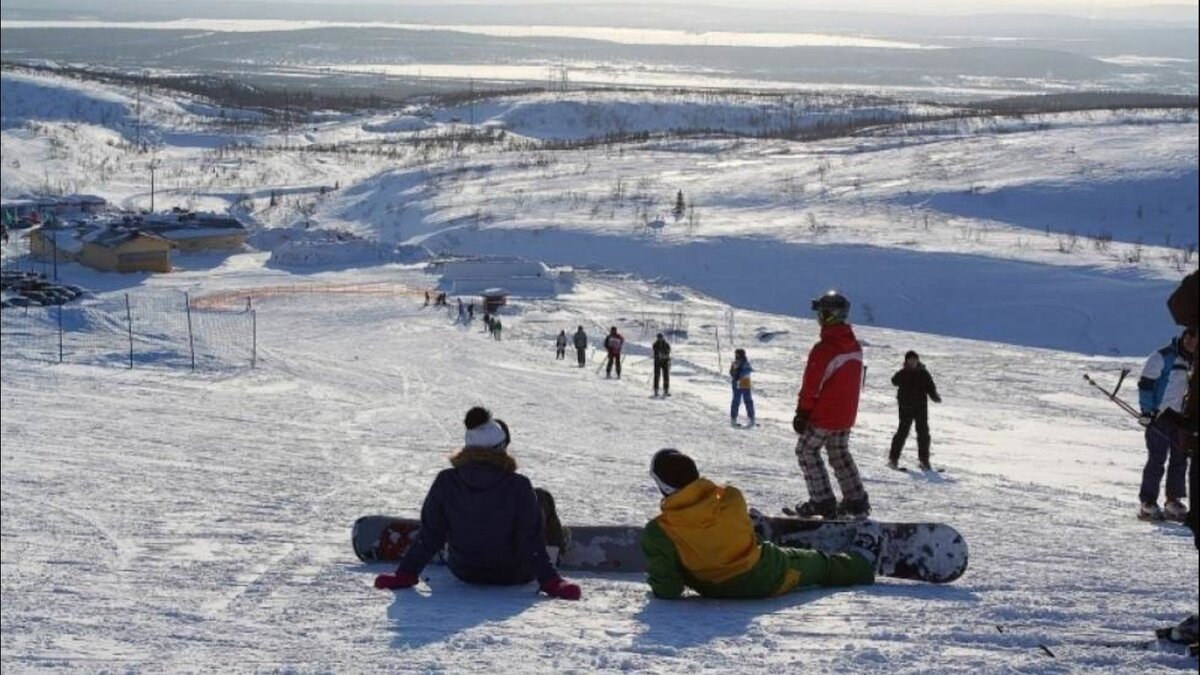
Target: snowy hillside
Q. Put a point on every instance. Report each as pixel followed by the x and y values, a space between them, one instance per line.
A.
pixel 156 519
pixel 227 544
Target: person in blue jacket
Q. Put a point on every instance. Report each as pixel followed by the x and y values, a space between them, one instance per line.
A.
pixel 1162 387
pixel 739 375
pixel 490 520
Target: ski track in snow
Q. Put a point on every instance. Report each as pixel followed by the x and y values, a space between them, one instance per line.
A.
pixel 162 520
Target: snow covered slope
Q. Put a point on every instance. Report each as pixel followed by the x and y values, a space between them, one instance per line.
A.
pixel 203 521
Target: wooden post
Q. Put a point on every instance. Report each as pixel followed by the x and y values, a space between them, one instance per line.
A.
pixel 187 303
pixel 129 325
pixel 60 335
pixel 253 338
pixel 717 334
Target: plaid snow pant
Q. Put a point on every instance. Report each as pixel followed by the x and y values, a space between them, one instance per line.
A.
pixel 837 444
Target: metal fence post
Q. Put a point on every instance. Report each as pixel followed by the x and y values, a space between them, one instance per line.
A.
pixel 129 326
pixel 253 338
pixel 187 304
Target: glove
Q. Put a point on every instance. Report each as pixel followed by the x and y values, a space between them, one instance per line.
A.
pixel 800 422
pixel 561 589
pixel 935 398
pixel 396 582
pixel 1147 418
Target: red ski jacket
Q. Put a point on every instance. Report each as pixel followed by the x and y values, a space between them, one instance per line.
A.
pixel 832 380
pixel 613 343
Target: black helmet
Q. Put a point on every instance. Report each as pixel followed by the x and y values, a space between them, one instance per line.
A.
pixel 831 308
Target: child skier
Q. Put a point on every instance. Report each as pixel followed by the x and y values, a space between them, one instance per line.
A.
pixel 739 377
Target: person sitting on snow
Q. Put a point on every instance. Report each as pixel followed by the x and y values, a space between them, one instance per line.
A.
pixel 705 540
pixel 492 522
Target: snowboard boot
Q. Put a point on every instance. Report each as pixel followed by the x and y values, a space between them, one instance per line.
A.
pixel 894 464
pixel 1175 510
pixel 868 543
pixel 826 508
pixel 1149 511
pixel 854 509
pixel 926 466
pixel 762 525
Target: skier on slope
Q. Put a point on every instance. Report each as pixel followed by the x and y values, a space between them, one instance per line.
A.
pixel 704 539
pixel 613 343
pixel 662 364
pixel 914 390
pixel 739 378
pixel 1162 386
pixel 826 411
pixel 560 346
pixel 581 342
pixel 492 522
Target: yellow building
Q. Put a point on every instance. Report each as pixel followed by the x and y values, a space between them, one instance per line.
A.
pixel 126 250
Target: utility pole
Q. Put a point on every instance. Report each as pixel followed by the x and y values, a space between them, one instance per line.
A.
pixel 472 101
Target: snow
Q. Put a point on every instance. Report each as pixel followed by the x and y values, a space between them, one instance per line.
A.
pixel 155 519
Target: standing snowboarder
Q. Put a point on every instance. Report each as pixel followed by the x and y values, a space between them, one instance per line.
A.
pixel 492 523
pixel 704 539
pixel 1163 386
pixel 560 346
pixel 914 390
pixel 581 343
pixel 826 411
pixel 613 343
pixel 739 378
pixel 662 364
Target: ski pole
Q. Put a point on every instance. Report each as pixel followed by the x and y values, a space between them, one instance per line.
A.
pixel 1112 396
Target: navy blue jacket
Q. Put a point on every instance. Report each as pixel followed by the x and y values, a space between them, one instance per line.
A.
pixel 488 518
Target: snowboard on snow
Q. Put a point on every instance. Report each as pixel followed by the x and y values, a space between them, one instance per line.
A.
pixel 930 552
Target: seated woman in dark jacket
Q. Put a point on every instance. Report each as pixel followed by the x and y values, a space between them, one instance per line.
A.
pixel 488 518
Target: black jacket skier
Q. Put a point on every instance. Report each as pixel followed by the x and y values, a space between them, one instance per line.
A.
pixel 662 364
pixel 581 342
pixel 915 388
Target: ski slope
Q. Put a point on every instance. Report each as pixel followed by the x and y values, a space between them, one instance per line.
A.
pixel 161 520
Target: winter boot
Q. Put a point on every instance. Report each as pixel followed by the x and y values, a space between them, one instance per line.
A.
pixel 1175 510
pixel 826 508
pixel 868 543
pixel 894 464
pixel 854 509
pixel 1150 511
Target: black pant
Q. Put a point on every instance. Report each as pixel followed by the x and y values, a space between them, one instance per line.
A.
pixel 581 354
pixel 613 358
pixel 561 353
pixel 663 368
pixel 908 415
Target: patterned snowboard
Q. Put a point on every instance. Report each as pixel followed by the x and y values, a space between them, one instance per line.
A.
pixel 920 551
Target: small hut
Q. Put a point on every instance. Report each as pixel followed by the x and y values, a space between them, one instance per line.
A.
pixel 494 299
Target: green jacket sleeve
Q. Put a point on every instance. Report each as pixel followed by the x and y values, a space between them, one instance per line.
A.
pixel 662 563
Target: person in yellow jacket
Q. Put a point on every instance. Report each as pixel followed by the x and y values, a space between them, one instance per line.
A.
pixel 704 539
